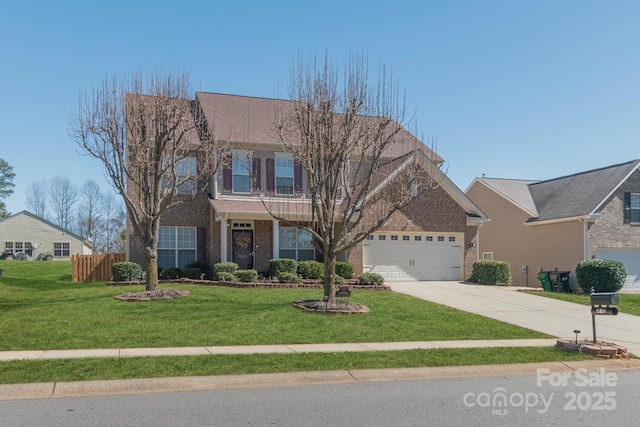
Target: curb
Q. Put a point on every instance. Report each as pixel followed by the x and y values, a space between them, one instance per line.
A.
pixel 222 382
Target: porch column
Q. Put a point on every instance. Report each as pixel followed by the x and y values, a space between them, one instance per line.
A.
pixel 276 239
pixel 223 239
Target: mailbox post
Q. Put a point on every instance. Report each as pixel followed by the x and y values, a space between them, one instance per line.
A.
pixel 601 303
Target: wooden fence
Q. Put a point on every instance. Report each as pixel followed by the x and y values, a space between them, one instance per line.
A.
pixel 94 268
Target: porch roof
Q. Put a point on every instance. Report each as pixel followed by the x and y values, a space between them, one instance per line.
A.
pixel 291 209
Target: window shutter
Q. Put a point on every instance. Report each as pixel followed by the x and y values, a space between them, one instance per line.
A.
pixel 202 183
pixel 627 208
pixel 271 176
pixel 257 179
pixel 227 175
pixel 297 178
pixel 201 252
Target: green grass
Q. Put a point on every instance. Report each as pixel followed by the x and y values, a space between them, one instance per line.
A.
pixel 152 367
pixel 40 308
pixel 629 303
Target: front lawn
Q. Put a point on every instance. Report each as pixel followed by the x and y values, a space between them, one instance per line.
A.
pixel 629 303
pixel 42 309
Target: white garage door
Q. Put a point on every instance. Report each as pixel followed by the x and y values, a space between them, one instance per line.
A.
pixel 631 260
pixel 414 256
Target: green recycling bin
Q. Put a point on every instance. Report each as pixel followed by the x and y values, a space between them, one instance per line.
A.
pixel 545 281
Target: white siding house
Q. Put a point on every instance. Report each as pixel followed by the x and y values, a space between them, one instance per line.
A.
pixel 37 237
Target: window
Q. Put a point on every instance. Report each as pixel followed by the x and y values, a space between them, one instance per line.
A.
pixel 284 173
pixel 382 237
pixel 61 249
pixel 177 246
pixel 440 238
pixel 369 237
pixel 487 255
pixel 296 244
pixel 394 237
pixel 417 238
pixel 8 246
pixel 631 208
pixel 241 172
pixel 187 167
pixel 405 238
pixel 429 239
pixel 452 239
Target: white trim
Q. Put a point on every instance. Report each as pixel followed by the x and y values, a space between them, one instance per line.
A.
pixel 622 181
pixel 223 239
pixel 582 218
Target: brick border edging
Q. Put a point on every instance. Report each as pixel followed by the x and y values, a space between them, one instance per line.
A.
pixel 260 285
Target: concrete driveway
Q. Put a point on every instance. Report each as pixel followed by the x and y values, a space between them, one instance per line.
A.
pixel 554 317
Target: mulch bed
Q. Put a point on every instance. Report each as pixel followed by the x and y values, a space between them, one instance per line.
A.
pixel 158 294
pixel 339 307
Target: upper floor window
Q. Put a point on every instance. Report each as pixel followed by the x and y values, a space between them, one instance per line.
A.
pixel 187 168
pixel 632 207
pixel 241 171
pixel 284 173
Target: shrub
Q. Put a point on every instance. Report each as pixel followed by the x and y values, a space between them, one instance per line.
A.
pixel 225 267
pixel 310 269
pixel 247 276
pixel 344 270
pixel 603 275
pixel 491 272
pixel 203 266
pixel 191 273
pixel 338 280
pixel 370 279
pixel 126 272
pixel 286 277
pixel 171 273
pixel 277 266
pixel 225 276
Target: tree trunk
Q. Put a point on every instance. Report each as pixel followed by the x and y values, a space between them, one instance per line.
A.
pixel 329 278
pixel 152 272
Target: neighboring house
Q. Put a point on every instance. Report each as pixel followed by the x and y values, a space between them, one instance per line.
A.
pixel 557 223
pixel 434 238
pixel 37 237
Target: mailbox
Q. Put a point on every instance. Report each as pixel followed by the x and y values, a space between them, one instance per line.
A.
pixel 601 302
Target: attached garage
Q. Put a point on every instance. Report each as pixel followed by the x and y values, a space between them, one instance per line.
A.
pixel 415 256
pixel 631 260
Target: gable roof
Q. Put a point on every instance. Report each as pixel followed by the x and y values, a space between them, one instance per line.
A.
pixel 578 194
pixel 50 224
pixel 251 119
pixel 514 190
pixel 571 196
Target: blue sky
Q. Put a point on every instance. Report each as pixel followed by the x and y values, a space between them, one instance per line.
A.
pixel 514 89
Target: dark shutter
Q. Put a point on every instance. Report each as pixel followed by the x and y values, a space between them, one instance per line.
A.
pixel 271 176
pixel 202 237
pixel 227 175
pixel 202 182
pixel 257 180
pixel 297 178
pixel 627 208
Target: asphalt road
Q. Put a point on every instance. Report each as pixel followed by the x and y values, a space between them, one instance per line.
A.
pixel 546 398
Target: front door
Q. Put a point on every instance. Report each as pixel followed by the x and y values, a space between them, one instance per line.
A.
pixel 243 248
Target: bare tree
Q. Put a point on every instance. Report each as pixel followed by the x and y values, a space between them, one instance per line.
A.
pixel 155 146
pixel 63 195
pixel 36 201
pixel 90 210
pixel 361 163
pixel 111 225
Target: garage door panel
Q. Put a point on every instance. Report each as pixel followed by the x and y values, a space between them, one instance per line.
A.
pixel 415 258
pixel 631 260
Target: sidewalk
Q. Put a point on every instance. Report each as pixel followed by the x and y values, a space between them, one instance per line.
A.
pixel 281 348
pixel 548 315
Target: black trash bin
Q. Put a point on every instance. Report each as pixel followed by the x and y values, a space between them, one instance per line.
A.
pixel 560 281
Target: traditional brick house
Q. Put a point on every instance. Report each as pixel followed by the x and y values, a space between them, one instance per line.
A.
pixel 433 238
pixel 559 222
